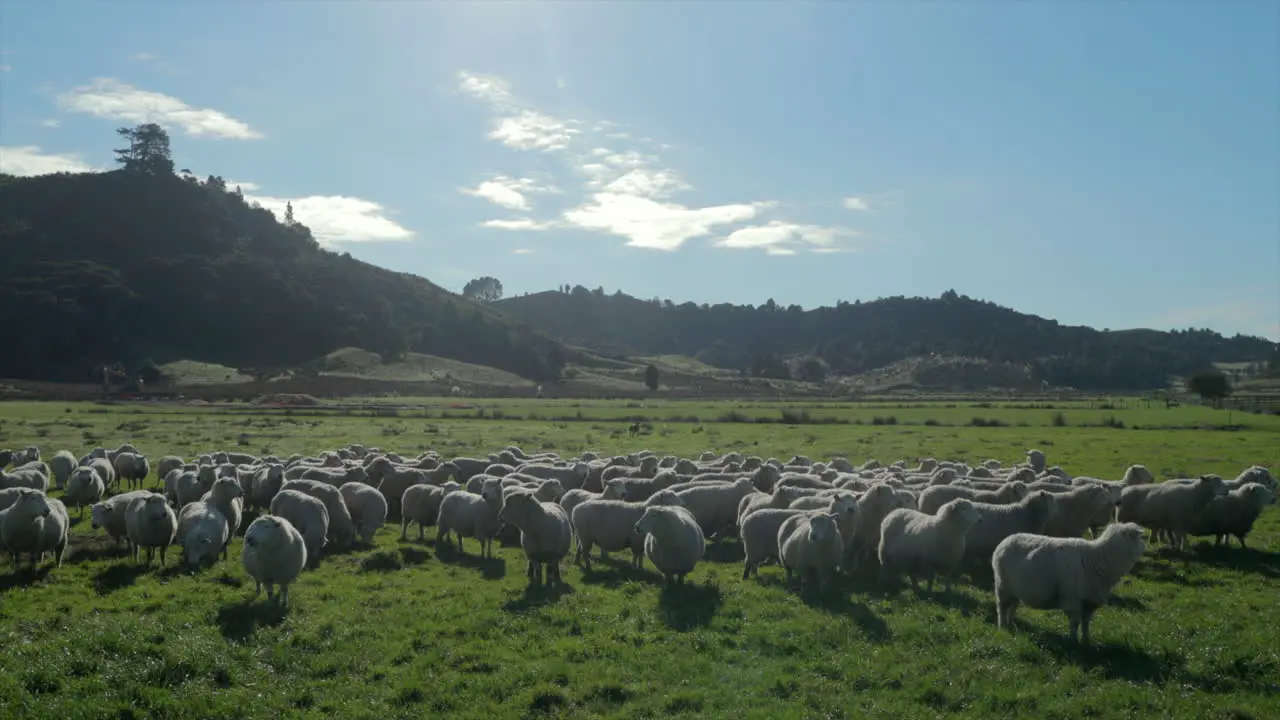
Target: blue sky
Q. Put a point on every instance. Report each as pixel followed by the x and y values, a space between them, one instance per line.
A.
pixel 1108 164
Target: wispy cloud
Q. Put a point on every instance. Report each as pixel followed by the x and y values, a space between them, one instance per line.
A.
pixel 856 203
pixel 625 192
pixel 520 224
pixel 244 186
pixel 517 125
pixel 783 238
pixel 112 99
pixel 522 251
pixel 5 68
pixel 507 192
pixel 51 123
pixel 27 160
pixel 143 57
pixel 336 219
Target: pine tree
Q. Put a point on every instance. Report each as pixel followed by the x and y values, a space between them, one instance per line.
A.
pixel 148 150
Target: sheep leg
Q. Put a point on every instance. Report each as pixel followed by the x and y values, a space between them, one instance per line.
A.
pixel 404 529
pixel 257 588
pixel 271 591
pixel 1006 606
pixel 746 570
pixel 1086 617
pixel 1241 539
pixel 421 532
pixel 284 595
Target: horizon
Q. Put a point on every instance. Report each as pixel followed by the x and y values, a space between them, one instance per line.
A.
pixel 1012 154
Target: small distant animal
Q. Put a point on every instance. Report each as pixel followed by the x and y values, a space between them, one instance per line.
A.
pixel 634 430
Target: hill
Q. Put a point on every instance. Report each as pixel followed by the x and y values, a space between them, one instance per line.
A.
pixel 982 343
pixel 145 268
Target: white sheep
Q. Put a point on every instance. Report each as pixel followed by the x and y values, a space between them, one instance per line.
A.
pixel 1168 506
pixel 613 490
pixel 1232 514
pixel 132 468
pixel 203 532
pixel 1073 575
pixel 227 495
pixel 110 514
pixel 26 476
pixel 368 509
pixel 1000 521
pixel 392 480
pixel 267 481
pixel 342 529
pixel 673 541
pixel 421 504
pixel 307 515
pixel 917 543
pixel 84 487
pixel 34 524
pixel 150 524
pixel 610 523
pixel 61 465
pixel 936 496
pixel 274 553
pixel 167 464
pixel 469 515
pixel 1077 508
pixel 810 546
pixel 715 505
pixel 873 506
pixel 545 533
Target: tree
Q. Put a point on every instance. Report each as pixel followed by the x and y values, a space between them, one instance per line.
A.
pixel 148 150
pixel 289 220
pixel 651 376
pixel 1210 385
pixel 483 289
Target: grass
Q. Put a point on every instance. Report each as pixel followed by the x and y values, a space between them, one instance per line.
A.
pixel 415 367
pixel 190 372
pixel 410 630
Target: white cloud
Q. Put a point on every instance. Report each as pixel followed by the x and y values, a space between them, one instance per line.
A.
pixel 336 219
pixel 143 56
pixel 783 238
pixel 520 224
pixel 509 192
pixel 29 160
pixel 856 203
pixel 111 99
pixel 6 68
pixel 244 186
pixel 522 251
pixel 647 223
pixel 518 126
pixel 561 84
pixel 51 123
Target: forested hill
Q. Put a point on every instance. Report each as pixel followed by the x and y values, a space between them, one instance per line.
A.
pixel 132 266
pixel 852 338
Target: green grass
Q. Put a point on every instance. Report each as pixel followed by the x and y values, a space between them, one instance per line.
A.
pixel 415 367
pixel 403 631
pixel 190 372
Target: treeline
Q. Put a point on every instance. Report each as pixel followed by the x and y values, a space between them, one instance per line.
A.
pixel 141 266
pixel 851 338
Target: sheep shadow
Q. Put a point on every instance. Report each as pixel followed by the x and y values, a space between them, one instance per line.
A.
pixel 1161 570
pixel 835 600
pixel 1116 661
pixel 536 596
pixel 686 606
pixel 1126 603
pixel 617 574
pixel 25 577
pixel 726 551
pixel 104 550
pixel 239 621
pixel 1245 560
pixel 117 577
pixel 494 568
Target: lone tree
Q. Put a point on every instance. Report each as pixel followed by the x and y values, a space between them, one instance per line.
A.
pixel 651 376
pixel 148 150
pixel 483 289
pixel 1210 385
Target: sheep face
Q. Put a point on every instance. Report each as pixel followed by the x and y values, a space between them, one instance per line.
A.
pixel 516 507
pixel 1257 495
pixel 1138 475
pixel 262 529
pixel 226 489
pixel 1128 533
pixel 155 508
pixel 665 498
pixel 491 491
pixel 652 518
pixel 822 526
pixel 962 511
pixel 32 504
pixel 99 513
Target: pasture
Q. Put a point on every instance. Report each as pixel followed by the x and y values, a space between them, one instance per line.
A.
pixel 404 630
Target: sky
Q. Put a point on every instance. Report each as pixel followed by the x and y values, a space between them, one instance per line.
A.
pixel 1106 164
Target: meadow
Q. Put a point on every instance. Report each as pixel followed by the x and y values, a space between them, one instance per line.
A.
pixel 405 630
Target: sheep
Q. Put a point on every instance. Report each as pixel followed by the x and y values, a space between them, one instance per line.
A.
pixel 421 504
pixel 110 514
pixel 613 490
pixel 572 476
pixel 227 495
pixel 149 524
pixel 307 515
pixel 1232 514
pixel 1035 458
pixel 810 545
pixel 29 454
pixel 1168 506
pixel 274 554
pixel 936 496
pixel 190 486
pixel 468 468
pixel 392 481
pixel 873 506
pixel 27 476
pixel 368 509
pixel 266 483
pixel 132 468
pixel 342 529
pixel 203 532
pixel 780 498
pixel 716 506
pixel 168 464
pixel 1077 507
pixel 1253 473
pixel 61 465
pixel 609 523
pixel 545 533
pixel 640 489
pixel 919 543
pixel 84 487
pixel 470 515
pixel 1000 521
pixel 1073 575
pixel 334 477
pixel 759 532
pixel 35 524
pixel 673 541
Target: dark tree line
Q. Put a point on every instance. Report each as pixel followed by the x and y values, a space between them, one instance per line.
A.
pixel 141 265
pixel 770 340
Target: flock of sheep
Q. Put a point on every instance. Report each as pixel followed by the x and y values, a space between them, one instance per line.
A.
pixel 813 518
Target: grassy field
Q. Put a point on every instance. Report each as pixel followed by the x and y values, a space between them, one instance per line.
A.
pixel 404 630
